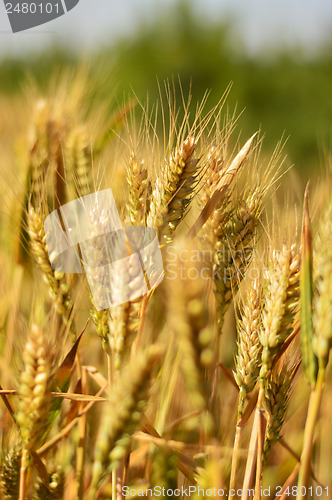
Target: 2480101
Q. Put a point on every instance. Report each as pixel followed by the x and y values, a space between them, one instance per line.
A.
pixel 318 491
pixel 33 8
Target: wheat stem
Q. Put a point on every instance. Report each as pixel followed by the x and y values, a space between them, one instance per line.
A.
pixel 313 410
pixel 23 474
pixel 235 460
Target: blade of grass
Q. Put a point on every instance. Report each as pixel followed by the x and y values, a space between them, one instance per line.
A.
pixel 309 359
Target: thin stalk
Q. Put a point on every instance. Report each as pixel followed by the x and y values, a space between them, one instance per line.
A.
pixel 110 365
pixel 80 453
pixel 253 447
pixel 260 446
pixel 290 481
pixel 237 444
pixel 114 484
pixel 23 475
pixel 81 450
pixel 313 410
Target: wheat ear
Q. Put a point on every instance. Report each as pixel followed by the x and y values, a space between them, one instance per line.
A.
pixel 277 393
pixel 139 186
pixel 34 390
pixel 281 302
pixel 233 252
pixel 78 161
pixel 58 288
pixel 174 190
pixel 248 357
pixel 322 317
pixel 127 403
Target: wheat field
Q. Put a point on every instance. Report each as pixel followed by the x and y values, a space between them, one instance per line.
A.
pixel 217 382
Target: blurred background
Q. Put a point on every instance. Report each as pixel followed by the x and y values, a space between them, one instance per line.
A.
pixel 278 56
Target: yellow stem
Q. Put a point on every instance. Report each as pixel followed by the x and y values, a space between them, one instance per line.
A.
pixel 313 410
pixel 235 460
pixel 252 452
pixel 237 444
pixel 23 475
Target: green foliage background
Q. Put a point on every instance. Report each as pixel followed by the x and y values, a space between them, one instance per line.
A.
pixel 283 92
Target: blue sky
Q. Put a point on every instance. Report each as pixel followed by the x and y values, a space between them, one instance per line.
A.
pixel 261 23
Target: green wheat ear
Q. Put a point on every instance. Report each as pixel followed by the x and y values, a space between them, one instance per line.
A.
pixel 309 360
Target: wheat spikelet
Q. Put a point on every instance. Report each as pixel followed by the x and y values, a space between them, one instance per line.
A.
pixel 127 403
pixel 139 191
pixel 281 302
pixel 173 191
pixel 55 488
pixel 277 393
pixel 58 288
pixel 233 252
pixel 78 160
pixel 34 390
pixel 322 317
pixel 10 473
pixel 248 357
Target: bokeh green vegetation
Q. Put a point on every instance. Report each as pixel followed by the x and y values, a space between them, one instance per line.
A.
pixel 286 91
